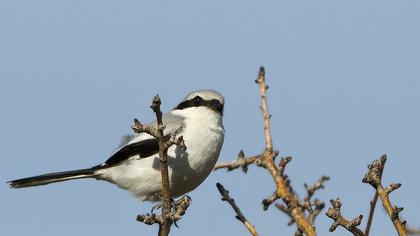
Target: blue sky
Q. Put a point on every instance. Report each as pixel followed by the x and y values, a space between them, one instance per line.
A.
pixel 344 83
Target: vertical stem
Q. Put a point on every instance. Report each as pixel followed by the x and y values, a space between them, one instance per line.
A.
pixel 266 115
pixel 166 199
pixel 163 157
pixel 268 160
pixel 390 210
pixel 375 199
pixel 371 212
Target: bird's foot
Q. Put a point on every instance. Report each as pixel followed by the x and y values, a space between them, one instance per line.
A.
pixel 160 205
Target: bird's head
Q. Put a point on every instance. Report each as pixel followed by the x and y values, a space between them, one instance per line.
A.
pixel 203 98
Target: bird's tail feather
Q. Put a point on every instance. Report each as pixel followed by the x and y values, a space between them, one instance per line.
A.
pixel 52 178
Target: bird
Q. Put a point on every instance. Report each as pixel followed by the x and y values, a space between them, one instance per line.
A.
pixel 135 166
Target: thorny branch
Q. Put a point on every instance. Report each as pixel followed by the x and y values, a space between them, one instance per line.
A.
pixel 168 215
pixel 292 206
pixel 226 197
pixel 374 178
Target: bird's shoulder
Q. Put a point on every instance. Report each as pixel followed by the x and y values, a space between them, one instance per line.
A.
pixel 144 145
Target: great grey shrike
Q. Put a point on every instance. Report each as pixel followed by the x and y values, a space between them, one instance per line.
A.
pixel 135 165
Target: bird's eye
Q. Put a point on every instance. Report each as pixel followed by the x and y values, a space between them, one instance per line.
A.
pixel 197 99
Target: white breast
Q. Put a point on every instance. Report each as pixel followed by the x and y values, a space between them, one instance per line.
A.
pixel 203 134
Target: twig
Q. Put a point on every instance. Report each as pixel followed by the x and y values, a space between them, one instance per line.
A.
pixel 266 116
pixel 242 162
pixel 412 231
pixel 310 191
pixel 335 213
pixel 266 160
pixel 239 215
pixel 319 206
pixel 375 199
pixel 283 208
pixel 180 208
pixel 167 218
pixel 313 188
pixel 373 177
pixel 306 204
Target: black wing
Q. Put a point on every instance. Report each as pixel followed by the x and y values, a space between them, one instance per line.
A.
pixel 143 149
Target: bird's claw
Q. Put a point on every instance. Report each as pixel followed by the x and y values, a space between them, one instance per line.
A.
pixel 160 205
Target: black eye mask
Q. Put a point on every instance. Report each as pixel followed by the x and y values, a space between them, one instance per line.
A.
pixel 198 101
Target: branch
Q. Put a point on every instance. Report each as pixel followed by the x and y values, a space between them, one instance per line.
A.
pixel 242 162
pixel 239 215
pixel 310 191
pixel 335 213
pixel 412 231
pixel 375 199
pixel 180 207
pixel 266 116
pixel 306 204
pixel 374 178
pixel 283 208
pixel 319 206
pixel 266 160
pixel 168 217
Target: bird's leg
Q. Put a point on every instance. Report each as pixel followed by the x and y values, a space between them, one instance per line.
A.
pixel 160 205
pixel 178 208
pixel 155 208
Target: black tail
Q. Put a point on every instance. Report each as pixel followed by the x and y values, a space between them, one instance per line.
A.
pixel 52 178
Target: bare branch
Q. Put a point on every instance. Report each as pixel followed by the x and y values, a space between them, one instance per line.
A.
pixel 373 202
pixel 266 116
pixel 374 178
pixel 283 208
pixel 319 206
pixel 180 207
pixel 242 162
pixel 266 160
pixel 310 191
pixel 168 217
pixel 412 231
pixel 239 215
pixel 335 213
